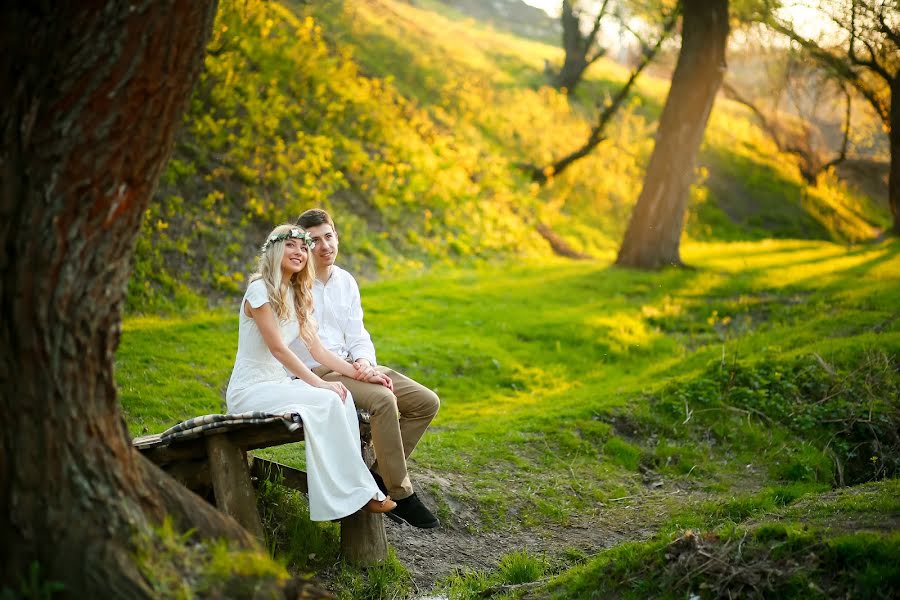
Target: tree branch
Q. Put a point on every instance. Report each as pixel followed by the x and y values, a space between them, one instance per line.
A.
pixel 542 175
pixel 845 143
pixel 841 68
pixel 886 29
pixel 871 63
pixel 592 36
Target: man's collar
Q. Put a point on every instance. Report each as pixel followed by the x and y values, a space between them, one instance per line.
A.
pixel 334 269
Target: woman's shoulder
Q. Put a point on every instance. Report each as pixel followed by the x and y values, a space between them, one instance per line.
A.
pixel 256 283
pixel 256 293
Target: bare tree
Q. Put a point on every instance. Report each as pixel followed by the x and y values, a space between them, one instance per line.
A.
pixel 541 174
pixel 92 95
pixel 653 237
pixel 581 49
pixel 867 57
pixel 800 145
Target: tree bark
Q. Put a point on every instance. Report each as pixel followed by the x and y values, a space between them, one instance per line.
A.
pixel 574 66
pixel 653 237
pixel 577 47
pixel 92 95
pixel 894 137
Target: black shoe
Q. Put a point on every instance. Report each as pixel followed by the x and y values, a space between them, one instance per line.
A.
pixel 379 482
pixel 411 510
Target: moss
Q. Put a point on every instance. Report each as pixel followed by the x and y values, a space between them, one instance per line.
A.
pixel 178 566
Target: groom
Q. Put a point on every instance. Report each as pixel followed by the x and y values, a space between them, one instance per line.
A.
pixel 399 416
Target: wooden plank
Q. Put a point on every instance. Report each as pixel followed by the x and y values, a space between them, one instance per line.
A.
pixel 231 483
pixel 246 436
pixel 250 436
pixel 192 474
pixel 219 456
pixel 147 441
pixel 279 473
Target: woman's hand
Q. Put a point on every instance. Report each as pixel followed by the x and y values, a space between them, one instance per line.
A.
pixel 363 370
pixel 335 386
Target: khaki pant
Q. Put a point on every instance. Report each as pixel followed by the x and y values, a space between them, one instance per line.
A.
pixel 399 419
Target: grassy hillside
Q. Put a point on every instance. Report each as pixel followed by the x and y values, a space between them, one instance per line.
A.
pixel 408 125
pixel 752 400
pixel 839 545
pixel 580 395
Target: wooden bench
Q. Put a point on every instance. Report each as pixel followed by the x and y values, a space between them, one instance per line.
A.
pixel 217 459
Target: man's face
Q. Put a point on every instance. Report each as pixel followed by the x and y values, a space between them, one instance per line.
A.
pixel 326 249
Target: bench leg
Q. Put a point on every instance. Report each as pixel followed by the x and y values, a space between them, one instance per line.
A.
pixel 231 483
pixel 363 540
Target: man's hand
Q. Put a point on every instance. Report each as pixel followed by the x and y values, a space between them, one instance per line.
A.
pixel 382 379
pixel 364 370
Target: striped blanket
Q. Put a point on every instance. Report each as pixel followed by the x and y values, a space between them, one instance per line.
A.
pixel 198 425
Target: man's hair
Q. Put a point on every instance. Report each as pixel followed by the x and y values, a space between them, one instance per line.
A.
pixel 313 217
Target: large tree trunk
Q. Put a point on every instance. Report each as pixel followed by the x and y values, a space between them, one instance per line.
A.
pixel 894 135
pixel 575 61
pixel 92 95
pixel 653 237
pixel 572 70
pixel 579 48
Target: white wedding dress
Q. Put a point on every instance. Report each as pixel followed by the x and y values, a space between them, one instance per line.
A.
pixel 339 482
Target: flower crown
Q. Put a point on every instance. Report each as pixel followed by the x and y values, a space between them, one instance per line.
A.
pixel 294 233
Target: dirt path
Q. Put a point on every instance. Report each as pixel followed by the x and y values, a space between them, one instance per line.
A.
pixel 430 555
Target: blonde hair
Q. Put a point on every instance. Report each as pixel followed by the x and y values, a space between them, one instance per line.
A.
pixel 280 290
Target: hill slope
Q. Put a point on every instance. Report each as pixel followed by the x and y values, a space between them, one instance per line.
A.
pixel 585 405
pixel 408 125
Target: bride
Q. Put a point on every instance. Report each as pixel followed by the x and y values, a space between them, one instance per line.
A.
pixel 275 311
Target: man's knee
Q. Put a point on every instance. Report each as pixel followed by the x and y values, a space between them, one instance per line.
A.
pixel 382 401
pixel 430 402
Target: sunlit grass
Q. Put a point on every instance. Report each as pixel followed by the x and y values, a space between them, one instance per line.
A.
pixel 527 356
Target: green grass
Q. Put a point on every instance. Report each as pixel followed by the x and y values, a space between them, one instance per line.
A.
pixel 177 566
pixel 513 569
pixel 570 390
pixel 564 384
pixel 170 369
pixel 843 544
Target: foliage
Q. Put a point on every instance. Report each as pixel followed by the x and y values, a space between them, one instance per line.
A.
pixel 301 544
pixel 834 552
pixel 177 566
pixel 852 413
pixel 384 581
pixel 414 145
pixel 33 586
pixel 281 121
pixel 513 569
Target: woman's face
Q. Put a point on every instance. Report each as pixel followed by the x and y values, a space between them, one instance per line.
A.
pixel 295 257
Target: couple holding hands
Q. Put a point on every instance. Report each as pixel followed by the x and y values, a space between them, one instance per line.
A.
pixel 302 347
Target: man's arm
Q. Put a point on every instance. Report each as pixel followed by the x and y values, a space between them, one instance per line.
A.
pixel 358 340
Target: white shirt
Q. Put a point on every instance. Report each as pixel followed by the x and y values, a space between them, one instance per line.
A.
pixel 339 316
